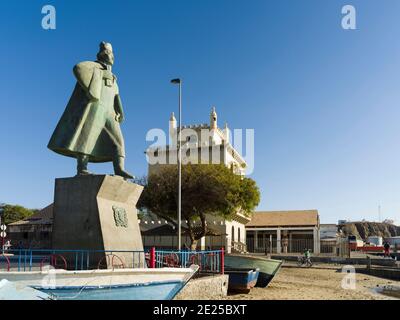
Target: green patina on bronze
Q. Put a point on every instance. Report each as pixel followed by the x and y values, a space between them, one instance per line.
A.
pixel 120 217
pixel 89 129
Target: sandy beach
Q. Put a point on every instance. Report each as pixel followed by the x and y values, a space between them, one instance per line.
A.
pixel 322 282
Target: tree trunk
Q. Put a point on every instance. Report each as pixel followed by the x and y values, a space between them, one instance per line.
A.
pixel 193 240
pixel 193 245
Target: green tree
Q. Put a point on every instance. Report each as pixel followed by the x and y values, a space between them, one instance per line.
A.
pixel 11 213
pixel 206 190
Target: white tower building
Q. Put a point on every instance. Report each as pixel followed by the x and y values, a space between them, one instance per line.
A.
pixel 204 143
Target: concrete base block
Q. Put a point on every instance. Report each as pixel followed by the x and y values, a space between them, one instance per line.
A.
pixel 205 288
pixel 97 212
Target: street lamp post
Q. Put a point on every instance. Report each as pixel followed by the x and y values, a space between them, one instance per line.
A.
pixel 179 83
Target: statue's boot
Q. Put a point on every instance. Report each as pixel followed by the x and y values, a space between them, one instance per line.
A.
pixel 82 165
pixel 119 165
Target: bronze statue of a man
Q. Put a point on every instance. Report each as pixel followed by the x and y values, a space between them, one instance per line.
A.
pixel 89 129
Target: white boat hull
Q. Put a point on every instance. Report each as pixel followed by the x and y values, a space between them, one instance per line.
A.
pixel 125 284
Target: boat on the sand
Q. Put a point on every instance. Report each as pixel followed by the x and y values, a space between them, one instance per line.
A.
pixel 241 280
pixel 268 267
pixel 105 284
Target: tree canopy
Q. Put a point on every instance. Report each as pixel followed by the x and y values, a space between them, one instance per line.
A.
pixel 12 213
pixel 207 189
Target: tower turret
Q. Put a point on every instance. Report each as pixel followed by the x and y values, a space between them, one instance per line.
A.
pixel 172 128
pixel 227 133
pixel 213 119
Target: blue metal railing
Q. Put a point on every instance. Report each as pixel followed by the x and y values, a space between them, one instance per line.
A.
pixel 35 259
pixel 208 260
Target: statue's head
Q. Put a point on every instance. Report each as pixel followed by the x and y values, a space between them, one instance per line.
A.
pixel 105 54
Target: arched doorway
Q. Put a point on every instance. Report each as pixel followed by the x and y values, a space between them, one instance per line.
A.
pixel 233 234
pixel 239 234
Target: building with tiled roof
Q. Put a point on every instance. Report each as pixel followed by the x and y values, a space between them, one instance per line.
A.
pixel 284 218
pixel 33 231
pixel 284 231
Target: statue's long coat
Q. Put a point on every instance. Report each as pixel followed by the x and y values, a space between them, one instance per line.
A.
pixel 88 125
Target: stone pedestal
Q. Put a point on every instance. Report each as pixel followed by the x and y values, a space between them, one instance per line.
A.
pixel 97 212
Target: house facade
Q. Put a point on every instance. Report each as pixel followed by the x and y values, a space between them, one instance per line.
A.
pixel 33 232
pixel 160 233
pixel 329 236
pixel 283 232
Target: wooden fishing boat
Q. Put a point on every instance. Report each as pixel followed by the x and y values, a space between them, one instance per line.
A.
pixel 268 267
pixel 105 284
pixel 241 280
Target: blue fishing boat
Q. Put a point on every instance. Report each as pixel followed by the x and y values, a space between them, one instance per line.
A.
pixel 105 284
pixel 268 267
pixel 241 280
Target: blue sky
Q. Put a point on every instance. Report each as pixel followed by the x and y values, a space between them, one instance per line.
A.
pixel 323 101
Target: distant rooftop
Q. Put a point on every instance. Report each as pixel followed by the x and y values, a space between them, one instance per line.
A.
pixel 44 216
pixel 284 218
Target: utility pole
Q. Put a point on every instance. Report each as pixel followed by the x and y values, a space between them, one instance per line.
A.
pixel 179 82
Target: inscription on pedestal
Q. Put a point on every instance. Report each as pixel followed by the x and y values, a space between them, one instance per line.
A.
pixel 120 217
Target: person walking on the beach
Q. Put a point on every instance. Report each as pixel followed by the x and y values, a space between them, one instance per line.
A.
pixel 386 247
